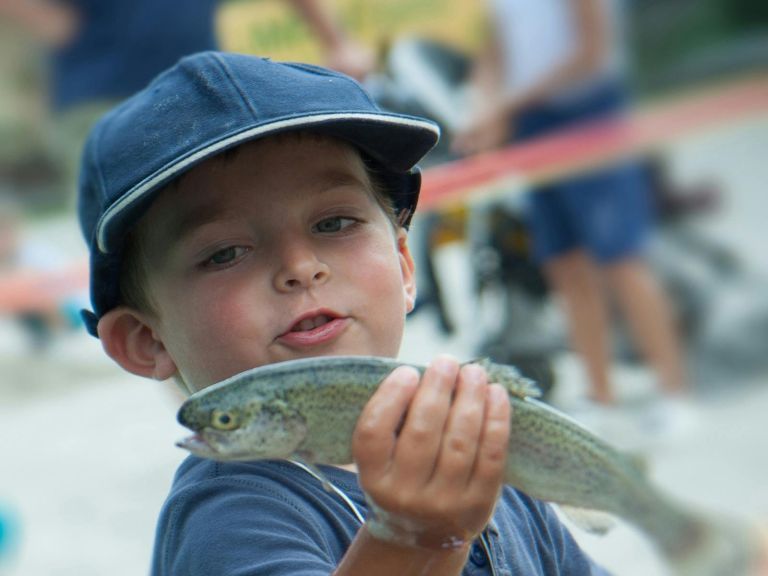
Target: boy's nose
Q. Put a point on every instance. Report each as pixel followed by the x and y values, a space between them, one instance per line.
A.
pixel 300 268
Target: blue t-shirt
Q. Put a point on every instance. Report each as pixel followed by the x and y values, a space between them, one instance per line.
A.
pixel 120 45
pixel 273 518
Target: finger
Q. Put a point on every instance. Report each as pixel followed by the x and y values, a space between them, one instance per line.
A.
pixel 463 430
pixel 419 442
pixel 375 435
pixel 488 474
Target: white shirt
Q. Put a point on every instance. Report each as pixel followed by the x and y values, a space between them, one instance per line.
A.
pixel 537 36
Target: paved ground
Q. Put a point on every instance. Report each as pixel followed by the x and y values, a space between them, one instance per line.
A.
pixel 88 451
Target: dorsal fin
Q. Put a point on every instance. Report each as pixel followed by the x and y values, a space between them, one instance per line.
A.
pixel 509 377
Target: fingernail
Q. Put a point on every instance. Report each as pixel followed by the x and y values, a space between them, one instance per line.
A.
pixel 407 375
pixel 474 372
pixel 444 363
pixel 497 394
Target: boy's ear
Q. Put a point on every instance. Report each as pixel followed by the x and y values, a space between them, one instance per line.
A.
pixel 408 270
pixel 131 342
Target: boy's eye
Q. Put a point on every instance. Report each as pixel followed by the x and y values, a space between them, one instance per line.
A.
pixel 226 255
pixel 334 224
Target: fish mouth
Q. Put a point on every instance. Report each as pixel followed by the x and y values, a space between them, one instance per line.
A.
pixel 198 446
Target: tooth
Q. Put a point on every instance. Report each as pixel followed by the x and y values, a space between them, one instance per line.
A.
pixel 310 323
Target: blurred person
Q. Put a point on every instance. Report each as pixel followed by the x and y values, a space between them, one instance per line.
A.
pixel 550 65
pixel 102 52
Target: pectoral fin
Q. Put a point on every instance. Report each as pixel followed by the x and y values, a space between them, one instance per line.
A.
pixel 592 521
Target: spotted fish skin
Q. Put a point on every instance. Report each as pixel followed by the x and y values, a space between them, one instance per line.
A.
pixel 308 408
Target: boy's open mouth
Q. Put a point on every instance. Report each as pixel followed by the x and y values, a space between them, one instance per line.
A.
pixel 317 327
pixel 307 324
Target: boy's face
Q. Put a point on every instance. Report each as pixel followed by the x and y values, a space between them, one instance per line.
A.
pixel 279 252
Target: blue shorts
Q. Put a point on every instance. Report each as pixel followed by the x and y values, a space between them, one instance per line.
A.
pixel 606 212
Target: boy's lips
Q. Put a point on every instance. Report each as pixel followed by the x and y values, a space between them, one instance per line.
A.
pixel 314 328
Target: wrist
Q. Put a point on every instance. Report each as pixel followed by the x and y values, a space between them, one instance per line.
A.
pixel 403 531
pixel 371 556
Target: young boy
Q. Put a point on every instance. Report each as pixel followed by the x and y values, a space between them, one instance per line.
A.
pixel 241 212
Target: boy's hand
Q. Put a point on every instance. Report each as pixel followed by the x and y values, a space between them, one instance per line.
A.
pixel 431 456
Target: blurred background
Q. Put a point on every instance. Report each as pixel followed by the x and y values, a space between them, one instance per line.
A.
pixel 88 451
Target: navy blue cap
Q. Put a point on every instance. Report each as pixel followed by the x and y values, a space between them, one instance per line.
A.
pixel 205 104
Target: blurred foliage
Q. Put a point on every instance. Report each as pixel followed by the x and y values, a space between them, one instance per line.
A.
pixel 271 28
pixel 683 42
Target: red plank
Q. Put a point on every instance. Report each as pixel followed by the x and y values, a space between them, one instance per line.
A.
pixel 594 144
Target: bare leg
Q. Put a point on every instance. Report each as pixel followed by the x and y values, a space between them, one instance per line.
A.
pixel 649 317
pixel 576 280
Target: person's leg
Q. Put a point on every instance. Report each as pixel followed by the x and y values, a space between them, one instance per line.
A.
pixel 649 317
pixel 619 222
pixel 576 281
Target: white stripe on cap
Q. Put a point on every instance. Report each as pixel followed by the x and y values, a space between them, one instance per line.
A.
pixel 142 188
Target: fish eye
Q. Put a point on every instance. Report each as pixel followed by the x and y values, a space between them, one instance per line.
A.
pixel 223 420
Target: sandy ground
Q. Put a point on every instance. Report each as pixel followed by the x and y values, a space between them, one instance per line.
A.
pixel 88 452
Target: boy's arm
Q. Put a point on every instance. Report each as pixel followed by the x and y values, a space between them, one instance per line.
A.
pixel 370 556
pixel 431 458
pixel 342 53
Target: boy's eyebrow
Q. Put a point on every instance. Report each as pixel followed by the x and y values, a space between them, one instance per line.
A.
pixel 333 178
pixel 193 219
pixel 208 212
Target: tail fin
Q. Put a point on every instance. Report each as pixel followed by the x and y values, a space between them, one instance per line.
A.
pixel 724 548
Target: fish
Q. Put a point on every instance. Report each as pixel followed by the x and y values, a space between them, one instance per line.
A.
pixel 307 409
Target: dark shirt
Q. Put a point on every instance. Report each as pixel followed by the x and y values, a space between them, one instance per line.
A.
pixel 120 45
pixel 273 518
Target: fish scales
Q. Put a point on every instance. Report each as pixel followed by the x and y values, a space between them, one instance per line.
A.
pixel 308 409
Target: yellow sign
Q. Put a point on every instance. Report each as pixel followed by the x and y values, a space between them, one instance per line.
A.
pixel 271 28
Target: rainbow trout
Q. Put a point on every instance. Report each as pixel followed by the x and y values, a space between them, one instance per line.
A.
pixel 307 410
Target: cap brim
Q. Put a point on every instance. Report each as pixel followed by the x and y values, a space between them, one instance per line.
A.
pixel 397 141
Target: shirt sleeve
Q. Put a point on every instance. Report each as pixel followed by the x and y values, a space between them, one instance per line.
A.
pixel 232 528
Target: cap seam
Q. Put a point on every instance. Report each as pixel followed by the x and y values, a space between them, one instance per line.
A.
pixel 329 74
pixel 225 69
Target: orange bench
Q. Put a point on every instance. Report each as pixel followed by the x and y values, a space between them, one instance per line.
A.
pixel 29 290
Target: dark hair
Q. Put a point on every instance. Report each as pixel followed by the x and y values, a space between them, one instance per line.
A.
pixel 133 272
